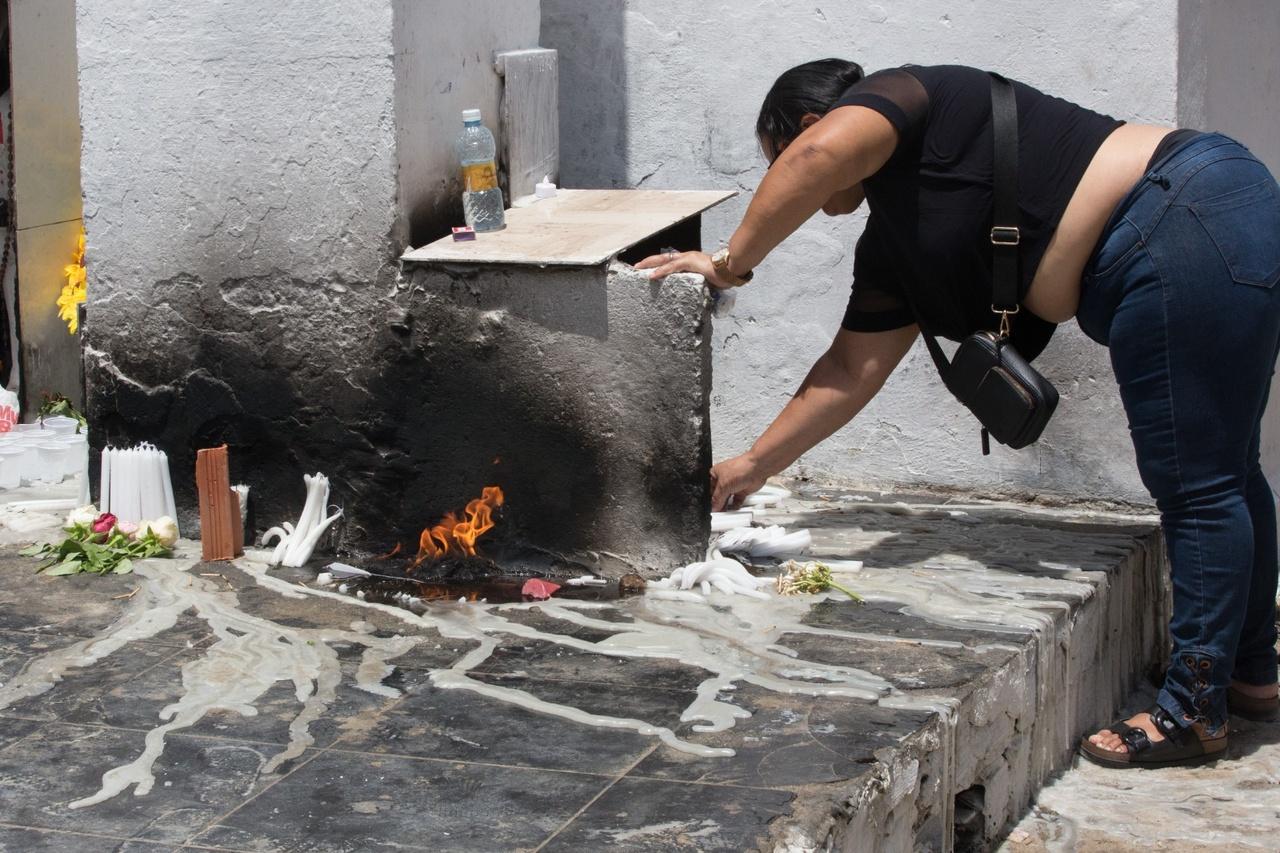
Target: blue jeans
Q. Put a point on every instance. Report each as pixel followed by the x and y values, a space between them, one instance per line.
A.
pixel 1182 288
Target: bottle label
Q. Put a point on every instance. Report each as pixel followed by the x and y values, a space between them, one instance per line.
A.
pixel 478 177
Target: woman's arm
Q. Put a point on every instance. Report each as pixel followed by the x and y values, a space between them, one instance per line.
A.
pixel 835 153
pixel 848 145
pixel 840 383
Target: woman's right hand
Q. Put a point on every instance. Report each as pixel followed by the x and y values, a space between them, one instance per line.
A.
pixel 661 266
pixel 734 479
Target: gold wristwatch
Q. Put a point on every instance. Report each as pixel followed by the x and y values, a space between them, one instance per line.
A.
pixel 720 261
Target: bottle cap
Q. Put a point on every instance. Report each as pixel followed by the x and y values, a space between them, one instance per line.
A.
pixel 470 116
pixel 545 189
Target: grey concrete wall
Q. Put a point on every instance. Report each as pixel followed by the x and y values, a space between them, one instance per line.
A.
pixel 246 200
pixel 250 180
pixel 594 100
pixel 46 146
pixel 694 76
pixel 1228 80
pixel 235 139
pixel 581 391
pixel 444 64
pixel 239 170
pixel 9 283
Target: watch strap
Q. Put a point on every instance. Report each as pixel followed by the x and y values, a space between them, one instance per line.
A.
pixel 720 261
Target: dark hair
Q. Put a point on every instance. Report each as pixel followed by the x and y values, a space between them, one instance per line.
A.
pixel 809 88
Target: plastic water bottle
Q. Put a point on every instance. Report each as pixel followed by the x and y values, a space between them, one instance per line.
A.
pixel 481 196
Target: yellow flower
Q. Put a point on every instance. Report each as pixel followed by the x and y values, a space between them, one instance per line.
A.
pixel 73 292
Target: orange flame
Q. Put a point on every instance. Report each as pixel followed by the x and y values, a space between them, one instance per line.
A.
pixel 460 535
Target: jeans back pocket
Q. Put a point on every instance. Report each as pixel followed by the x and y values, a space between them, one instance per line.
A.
pixel 1245 226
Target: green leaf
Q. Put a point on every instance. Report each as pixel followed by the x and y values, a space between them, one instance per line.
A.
pixel 98 559
pixel 69 546
pixel 55 404
pixel 79 532
pixel 95 553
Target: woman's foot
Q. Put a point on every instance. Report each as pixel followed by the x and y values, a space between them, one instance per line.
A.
pixel 1111 742
pixel 1153 739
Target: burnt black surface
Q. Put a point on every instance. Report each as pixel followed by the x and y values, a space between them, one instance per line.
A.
pixel 499 589
pixel 473 577
pixel 411 405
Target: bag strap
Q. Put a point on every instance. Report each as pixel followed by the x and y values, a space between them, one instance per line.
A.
pixel 1004 231
pixel 1005 235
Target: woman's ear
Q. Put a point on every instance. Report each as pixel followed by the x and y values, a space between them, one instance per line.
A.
pixel 808 120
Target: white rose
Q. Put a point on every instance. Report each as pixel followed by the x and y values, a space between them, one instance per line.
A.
pixel 164 528
pixel 85 515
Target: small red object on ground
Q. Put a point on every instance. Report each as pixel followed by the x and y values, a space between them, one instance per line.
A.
pixel 539 589
pixel 464 232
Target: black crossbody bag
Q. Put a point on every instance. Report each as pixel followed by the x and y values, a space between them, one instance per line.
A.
pixel 1011 400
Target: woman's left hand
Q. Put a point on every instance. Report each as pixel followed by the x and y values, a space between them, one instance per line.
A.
pixel 734 479
pixel 696 262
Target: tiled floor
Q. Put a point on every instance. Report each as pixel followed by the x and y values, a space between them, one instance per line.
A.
pixel 434 769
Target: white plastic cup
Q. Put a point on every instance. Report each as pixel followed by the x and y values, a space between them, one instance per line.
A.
pixel 26 428
pixel 29 439
pixel 28 461
pixel 31 466
pixel 10 469
pixel 77 452
pixel 52 459
pixel 61 425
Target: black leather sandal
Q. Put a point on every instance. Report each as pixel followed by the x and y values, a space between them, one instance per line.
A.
pixel 1253 708
pixel 1181 747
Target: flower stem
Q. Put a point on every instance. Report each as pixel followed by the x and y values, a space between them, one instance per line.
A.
pixel 847 592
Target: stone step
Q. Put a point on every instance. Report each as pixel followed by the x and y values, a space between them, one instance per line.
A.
pixel 1023 625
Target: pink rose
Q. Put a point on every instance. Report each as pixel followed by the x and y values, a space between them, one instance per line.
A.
pixel 104 523
pixel 128 528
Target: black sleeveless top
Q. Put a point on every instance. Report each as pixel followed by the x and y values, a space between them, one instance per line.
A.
pixel 928 235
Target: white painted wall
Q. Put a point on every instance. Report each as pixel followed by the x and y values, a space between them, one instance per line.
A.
pixel 444 64
pixel 594 101
pixel 234 139
pixel 1229 81
pixel 296 135
pixel 694 76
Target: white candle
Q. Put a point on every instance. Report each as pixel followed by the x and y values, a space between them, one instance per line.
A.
pixel 104 485
pixel 170 508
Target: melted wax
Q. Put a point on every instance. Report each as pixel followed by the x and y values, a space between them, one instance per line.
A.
pixel 737 639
